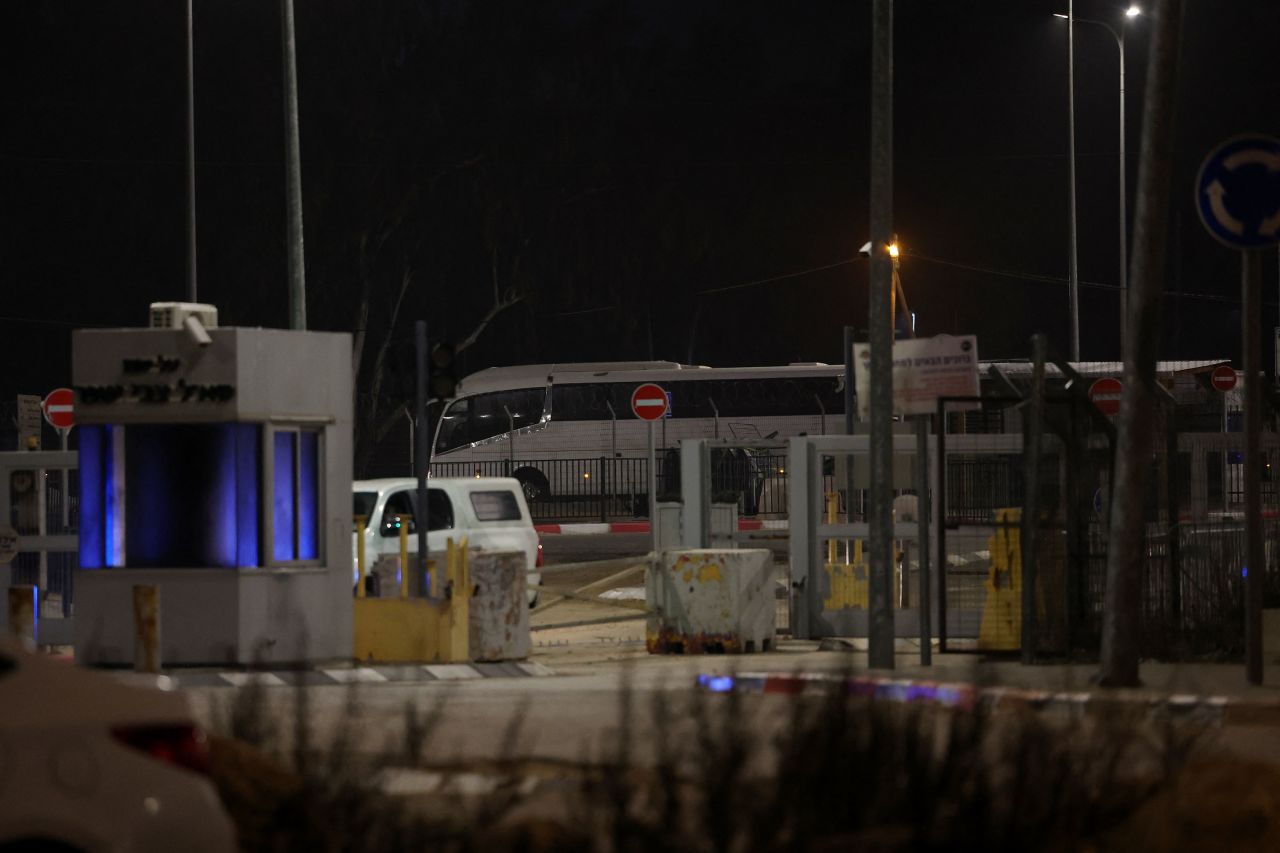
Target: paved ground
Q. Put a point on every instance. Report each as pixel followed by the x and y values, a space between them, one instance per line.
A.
pixel 575 712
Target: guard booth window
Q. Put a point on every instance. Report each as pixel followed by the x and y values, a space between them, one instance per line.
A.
pixel 170 496
pixel 295 490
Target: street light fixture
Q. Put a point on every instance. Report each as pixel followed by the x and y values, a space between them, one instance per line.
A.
pixel 897 294
pixel 1130 13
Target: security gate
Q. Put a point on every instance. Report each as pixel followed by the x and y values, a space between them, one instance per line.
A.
pixel 38 499
pixel 829 568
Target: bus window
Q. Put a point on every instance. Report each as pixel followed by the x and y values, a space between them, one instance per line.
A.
pixel 590 401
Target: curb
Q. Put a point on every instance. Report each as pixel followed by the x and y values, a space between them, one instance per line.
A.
pixel 597 528
pixel 1219 710
pixel 370 675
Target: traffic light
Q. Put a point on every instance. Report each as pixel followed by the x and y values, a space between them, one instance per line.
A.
pixel 400 370
pixel 442 381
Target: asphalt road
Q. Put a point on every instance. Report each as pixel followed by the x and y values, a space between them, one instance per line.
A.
pixel 571 548
pixel 567 548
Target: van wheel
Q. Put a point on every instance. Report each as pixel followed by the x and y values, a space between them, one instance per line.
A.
pixel 533 482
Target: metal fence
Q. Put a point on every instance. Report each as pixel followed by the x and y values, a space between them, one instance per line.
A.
pixel 604 488
pixel 1046 511
pixel 45 506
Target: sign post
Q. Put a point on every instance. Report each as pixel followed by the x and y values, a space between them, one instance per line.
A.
pixel 1238 199
pixel 649 402
pixel 59 411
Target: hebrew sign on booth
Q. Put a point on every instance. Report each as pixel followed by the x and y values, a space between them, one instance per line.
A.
pixel 924 369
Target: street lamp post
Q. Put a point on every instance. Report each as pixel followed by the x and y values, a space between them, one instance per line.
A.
pixel 1123 280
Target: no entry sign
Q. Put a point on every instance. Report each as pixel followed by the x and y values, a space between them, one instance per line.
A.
pixel 1223 378
pixel 1105 394
pixel 649 402
pixel 59 408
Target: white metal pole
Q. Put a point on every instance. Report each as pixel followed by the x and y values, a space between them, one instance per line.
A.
pixel 653 490
pixel 66 486
pixel 42 529
pixel 191 163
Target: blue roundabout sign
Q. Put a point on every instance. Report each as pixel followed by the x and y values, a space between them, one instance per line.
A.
pixel 1238 192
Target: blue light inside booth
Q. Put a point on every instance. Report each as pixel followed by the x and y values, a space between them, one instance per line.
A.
pixel 186 498
pixel 169 495
pixel 93 527
pixel 283 485
pixel 248 455
pixel 308 495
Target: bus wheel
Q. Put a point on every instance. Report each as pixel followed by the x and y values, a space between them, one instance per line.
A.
pixel 533 482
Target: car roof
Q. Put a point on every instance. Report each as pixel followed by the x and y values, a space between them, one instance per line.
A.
pixel 452 484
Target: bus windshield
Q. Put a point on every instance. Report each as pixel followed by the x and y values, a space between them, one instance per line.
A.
pixel 484 416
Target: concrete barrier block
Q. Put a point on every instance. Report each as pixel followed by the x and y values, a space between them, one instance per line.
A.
pixel 712 600
pixel 499 628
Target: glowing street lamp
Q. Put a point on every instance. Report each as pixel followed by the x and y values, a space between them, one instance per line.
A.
pixel 1130 13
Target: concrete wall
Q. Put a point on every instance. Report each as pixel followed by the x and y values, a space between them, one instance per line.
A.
pixel 499 614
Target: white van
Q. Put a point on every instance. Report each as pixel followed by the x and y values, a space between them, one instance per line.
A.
pixel 489 511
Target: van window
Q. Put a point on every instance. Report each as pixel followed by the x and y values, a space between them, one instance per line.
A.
pixel 399 508
pixel 496 506
pixel 362 503
pixel 401 505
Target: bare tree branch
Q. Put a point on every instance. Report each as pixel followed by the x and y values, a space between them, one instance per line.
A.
pixel 511 297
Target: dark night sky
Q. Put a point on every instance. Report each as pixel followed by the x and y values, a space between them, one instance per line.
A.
pixel 609 160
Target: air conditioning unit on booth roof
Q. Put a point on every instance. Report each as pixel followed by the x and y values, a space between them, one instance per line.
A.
pixel 173 315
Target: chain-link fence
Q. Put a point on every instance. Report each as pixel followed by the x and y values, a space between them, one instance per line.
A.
pixel 1044 514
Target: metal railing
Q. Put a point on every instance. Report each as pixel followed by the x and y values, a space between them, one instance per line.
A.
pixel 603 488
pixel 41 504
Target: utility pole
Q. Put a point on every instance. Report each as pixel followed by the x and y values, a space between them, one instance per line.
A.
pixel 1124 228
pixel 293 174
pixel 1122 604
pixel 421 583
pixel 1071 160
pixel 1256 566
pixel 880 329
pixel 191 161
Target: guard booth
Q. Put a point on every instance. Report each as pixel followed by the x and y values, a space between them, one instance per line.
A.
pixel 215 463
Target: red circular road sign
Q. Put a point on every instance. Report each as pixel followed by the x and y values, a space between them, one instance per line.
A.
pixel 1223 378
pixel 649 402
pixel 59 408
pixel 1105 394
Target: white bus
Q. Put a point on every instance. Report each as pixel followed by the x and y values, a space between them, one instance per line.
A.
pixel 554 427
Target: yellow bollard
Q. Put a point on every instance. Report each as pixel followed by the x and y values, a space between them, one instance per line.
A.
pixel 833 509
pixel 404 556
pixel 146 628
pixel 360 525
pixel 458 593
